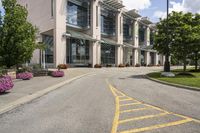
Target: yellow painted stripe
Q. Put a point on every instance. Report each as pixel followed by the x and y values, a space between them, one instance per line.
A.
pixel 127 99
pixel 132 110
pixel 129 104
pixel 157 126
pixel 143 117
pixel 113 92
pixel 116 117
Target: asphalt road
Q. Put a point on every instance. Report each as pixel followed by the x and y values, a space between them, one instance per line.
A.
pixel 109 101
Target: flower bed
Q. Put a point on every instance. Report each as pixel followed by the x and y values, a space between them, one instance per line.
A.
pixel 97 66
pixel 5 83
pixel 121 65
pixel 57 73
pixel 62 66
pixel 24 76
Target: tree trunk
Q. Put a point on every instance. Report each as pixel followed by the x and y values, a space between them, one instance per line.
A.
pixel 167 64
pixel 196 61
pixel 184 64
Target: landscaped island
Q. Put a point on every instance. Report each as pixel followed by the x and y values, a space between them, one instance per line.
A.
pixel 188 78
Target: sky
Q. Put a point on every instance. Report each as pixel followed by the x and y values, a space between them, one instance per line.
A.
pixel 155 9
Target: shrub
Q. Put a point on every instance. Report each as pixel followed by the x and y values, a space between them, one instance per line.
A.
pixel 128 65
pixel 62 66
pixel 137 65
pixel 24 69
pixel 97 66
pixel 150 65
pixel 57 73
pixel 5 83
pixel 24 76
pixel 121 65
pixel 108 65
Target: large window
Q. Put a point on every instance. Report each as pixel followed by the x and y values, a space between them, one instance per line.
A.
pixel 141 33
pixel 48 41
pixel 127 29
pixel 78 51
pixel 107 54
pixel 108 22
pixel 78 15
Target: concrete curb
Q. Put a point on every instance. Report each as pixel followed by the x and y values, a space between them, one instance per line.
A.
pixel 172 84
pixel 38 94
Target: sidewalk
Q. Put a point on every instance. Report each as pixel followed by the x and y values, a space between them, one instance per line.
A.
pixel 28 87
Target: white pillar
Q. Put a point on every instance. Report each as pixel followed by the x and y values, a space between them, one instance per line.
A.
pixel 60 28
pixel 135 57
pixel 147 36
pixel 156 59
pixel 136 33
pixel 147 58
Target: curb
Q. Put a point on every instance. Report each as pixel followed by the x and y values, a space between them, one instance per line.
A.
pixel 38 94
pixel 172 84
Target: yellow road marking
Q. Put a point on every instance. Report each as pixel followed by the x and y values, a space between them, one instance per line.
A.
pixel 127 99
pixel 136 103
pixel 157 126
pixel 143 117
pixel 132 110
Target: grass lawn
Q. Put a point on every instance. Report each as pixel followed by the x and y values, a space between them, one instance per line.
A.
pixel 179 79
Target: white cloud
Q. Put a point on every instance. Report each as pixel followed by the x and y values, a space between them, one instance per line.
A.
pixel 137 4
pixel 0 4
pixel 184 6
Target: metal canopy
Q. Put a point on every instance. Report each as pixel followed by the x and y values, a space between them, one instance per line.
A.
pixel 109 41
pixel 146 20
pixel 147 48
pixel 113 3
pixel 129 45
pixel 79 35
pixel 134 13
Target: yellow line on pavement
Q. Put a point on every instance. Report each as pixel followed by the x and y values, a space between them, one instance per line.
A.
pixel 132 110
pixel 127 99
pixel 157 126
pixel 143 117
pixel 129 104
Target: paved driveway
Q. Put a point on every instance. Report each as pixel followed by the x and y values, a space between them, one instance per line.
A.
pixel 111 100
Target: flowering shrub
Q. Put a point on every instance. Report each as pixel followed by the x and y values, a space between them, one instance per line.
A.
pixel 24 76
pixel 97 66
pixel 5 83
pixel 121 65
pixel 57 73
pixel 137 65
pixel 62 66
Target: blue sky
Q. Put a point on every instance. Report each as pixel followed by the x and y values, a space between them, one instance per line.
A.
pixel 156 9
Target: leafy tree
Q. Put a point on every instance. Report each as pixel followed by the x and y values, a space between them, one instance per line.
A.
pixel 17 35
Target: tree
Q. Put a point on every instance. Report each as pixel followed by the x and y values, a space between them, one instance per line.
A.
pixel 18 35
pixel 184 36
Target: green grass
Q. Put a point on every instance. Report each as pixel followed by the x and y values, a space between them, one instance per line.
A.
pixel 179 79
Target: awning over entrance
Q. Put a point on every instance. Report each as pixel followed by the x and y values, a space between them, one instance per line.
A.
pixel 128 45
pixel 113 3
pixel 109 41
pixel 148 48
pixel 79 35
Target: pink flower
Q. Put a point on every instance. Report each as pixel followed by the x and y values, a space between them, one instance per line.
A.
pixel 57 73
pixel 6 83
pixel 24 76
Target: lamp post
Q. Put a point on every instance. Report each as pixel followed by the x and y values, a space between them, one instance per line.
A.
pixel 167 63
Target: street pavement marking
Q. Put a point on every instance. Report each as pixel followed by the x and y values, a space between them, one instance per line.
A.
pixel 129 104
pixel 117 122
pixel 133 110
pixel 143 117
pixel 157 126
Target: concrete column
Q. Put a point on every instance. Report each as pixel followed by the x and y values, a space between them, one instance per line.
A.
pixel 136 33
pixel 156 59
pixel 147 58
pixel 118 55
pixel 136 56
pixel 60 29
pixel 147 36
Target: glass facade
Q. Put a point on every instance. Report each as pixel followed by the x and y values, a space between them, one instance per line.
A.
pixel 48 41
pixel 107 54
pixel 141 33
pixel 78 51
pixel 127 29
pixel 78 15
pixel 108 22
pixel 151 37
pixel 128 56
